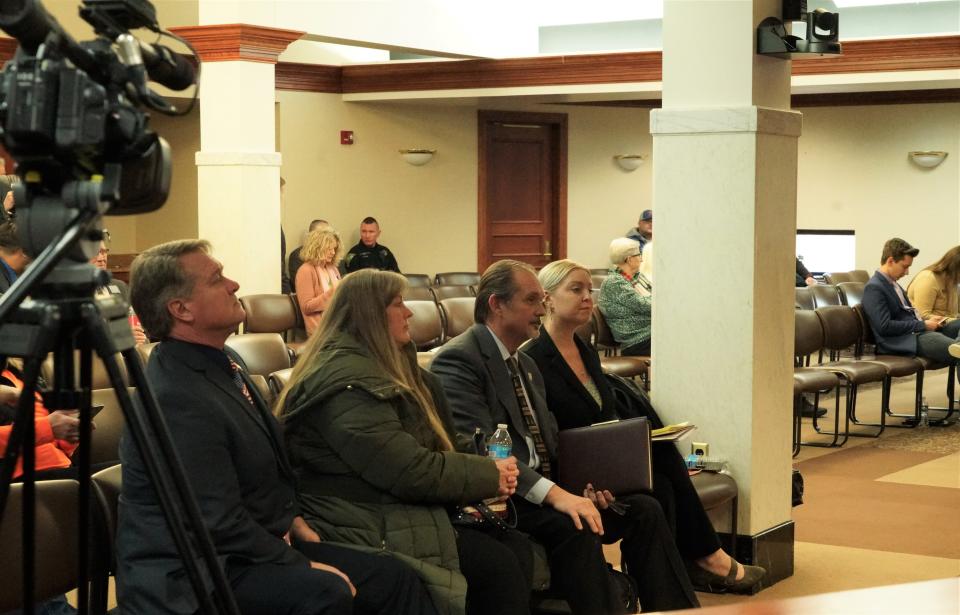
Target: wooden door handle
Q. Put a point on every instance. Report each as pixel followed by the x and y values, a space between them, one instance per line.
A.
pixel 546 248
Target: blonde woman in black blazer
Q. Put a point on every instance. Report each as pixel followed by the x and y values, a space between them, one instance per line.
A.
pixel 578 395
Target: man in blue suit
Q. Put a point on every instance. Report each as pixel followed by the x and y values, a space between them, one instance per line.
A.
pixel 895 323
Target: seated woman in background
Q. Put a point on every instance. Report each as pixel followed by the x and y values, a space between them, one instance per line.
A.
pixel 318 277
pixel 56 433
pixel 579 395
pixel 117 287
pixel 933 291
pixel 371 440
pixel 625 298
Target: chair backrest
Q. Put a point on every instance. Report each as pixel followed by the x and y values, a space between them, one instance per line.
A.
pixel 588 332
pixel 596 279
pixel 598 271
pixel 457 315
pixel 836 277
pixel 417 280
pixel 458 278
pixel 851 293
pixel 424 359
pixel 55 544
pixel 825 294
pixel 448 291
pixel 99 377
pixel 860 275
pixel 279 379
pixel 807 333
pixel 144 350
pixel 418 293
pixel 865 329
pixel 107 486
pixel 263 353
pixel 426 325
pixel 105 439
pixel 268 313
pixel 841 326
pixel 604 337
pixel 804 298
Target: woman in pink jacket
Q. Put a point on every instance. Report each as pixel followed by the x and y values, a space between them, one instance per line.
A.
pixel 318 277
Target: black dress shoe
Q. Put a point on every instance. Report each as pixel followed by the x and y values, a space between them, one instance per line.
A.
pixel 807 410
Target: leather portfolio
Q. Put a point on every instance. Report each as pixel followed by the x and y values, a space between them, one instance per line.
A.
pixel 614 455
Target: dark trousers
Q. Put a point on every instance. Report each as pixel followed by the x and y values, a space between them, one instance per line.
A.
pixel 637 350
pixel 384 585
pixel 649 554
pixel 688 521
pixel 498 567
pixel 578 571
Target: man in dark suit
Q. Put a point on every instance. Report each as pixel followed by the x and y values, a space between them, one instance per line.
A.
pixel 488 382
pixel 230 445
pixel 895 323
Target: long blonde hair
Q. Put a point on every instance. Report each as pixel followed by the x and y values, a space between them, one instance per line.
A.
pixel 318 241
pixel 359 308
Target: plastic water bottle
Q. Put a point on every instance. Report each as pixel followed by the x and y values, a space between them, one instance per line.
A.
pixel 924 413
pixel 500 445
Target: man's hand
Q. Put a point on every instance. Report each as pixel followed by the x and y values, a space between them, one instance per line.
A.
pixel 811 281
pixel 508 475
pixel 932 324
pixel 139 336
pixel 336 571
pixel 65 425
pixel 299 530
pixel 576 508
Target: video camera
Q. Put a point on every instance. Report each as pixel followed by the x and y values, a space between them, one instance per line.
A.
pixel 70 112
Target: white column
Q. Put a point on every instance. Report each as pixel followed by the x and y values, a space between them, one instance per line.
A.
pixel 725 167
pixel 238 167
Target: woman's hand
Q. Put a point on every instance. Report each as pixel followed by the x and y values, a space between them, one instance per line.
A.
pixel 508 475
pixel 139 336
pixel 601 499
pixel 9 395
pixel 65 425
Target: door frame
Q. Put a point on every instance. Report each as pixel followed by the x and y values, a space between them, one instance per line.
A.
pixel 558 123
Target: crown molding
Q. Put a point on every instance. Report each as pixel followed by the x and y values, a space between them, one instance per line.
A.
pixel 230 42
pixel 886 55
pixel 309 77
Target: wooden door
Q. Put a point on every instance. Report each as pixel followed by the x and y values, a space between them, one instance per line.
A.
pixel 522 187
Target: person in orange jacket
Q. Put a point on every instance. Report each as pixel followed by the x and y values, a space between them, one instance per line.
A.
pixel 57 433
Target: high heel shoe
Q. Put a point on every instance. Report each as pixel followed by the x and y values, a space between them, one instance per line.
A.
pixel 704 580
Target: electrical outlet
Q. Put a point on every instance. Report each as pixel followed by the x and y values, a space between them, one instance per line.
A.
pixel 700 449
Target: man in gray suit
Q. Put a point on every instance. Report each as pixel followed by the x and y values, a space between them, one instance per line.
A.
pixel 231 448
pixel 487 382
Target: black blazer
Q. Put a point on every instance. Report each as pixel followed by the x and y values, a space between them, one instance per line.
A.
pixel 239 473
pixel 6 280
pixel 567 398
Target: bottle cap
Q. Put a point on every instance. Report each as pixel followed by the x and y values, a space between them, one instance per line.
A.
pixel 501 425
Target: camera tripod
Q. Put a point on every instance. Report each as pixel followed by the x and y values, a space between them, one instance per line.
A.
pixel 63 317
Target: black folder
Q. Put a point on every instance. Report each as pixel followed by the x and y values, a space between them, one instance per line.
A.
pixel 614 455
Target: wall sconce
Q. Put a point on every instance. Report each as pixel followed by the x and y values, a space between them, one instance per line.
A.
pixel 418 156
pixel 928 160
pixel 629 162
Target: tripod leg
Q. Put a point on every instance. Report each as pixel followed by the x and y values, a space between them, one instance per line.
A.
pixel 155 446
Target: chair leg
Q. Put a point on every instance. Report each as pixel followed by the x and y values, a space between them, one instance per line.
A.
pixel 884 406
pixel 951 403
pixel 836 422
pixel 734 511
pixel 797 404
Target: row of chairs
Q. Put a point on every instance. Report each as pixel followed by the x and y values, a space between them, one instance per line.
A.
pixel 857 275
pixel 836 328
pixel 821 295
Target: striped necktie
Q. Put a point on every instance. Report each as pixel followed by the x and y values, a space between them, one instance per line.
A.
pixel 238 380
pixel 528 417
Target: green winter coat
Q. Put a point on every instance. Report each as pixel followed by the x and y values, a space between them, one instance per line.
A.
pixel 368 470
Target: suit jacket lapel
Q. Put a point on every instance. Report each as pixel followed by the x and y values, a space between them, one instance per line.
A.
pixel 502 381
pixel 560 366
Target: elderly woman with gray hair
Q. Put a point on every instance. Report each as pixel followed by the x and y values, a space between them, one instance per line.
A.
pixel 626 298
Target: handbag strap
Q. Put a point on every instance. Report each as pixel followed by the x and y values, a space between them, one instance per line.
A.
pixel 495 520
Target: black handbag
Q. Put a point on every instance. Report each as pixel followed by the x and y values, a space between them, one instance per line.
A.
pixel 501 516
pixel 632 402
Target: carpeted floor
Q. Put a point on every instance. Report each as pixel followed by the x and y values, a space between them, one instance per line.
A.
pixel 876 511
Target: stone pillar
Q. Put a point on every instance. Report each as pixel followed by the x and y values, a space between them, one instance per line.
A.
pixel 238 166
pixel 725 168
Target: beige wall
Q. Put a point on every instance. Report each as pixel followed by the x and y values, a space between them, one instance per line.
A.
pixel 429 214
pixel 854 173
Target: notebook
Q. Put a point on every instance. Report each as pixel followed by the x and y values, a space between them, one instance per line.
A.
pixel 614 455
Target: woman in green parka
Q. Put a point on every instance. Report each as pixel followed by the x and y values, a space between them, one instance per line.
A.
pixel 371 440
